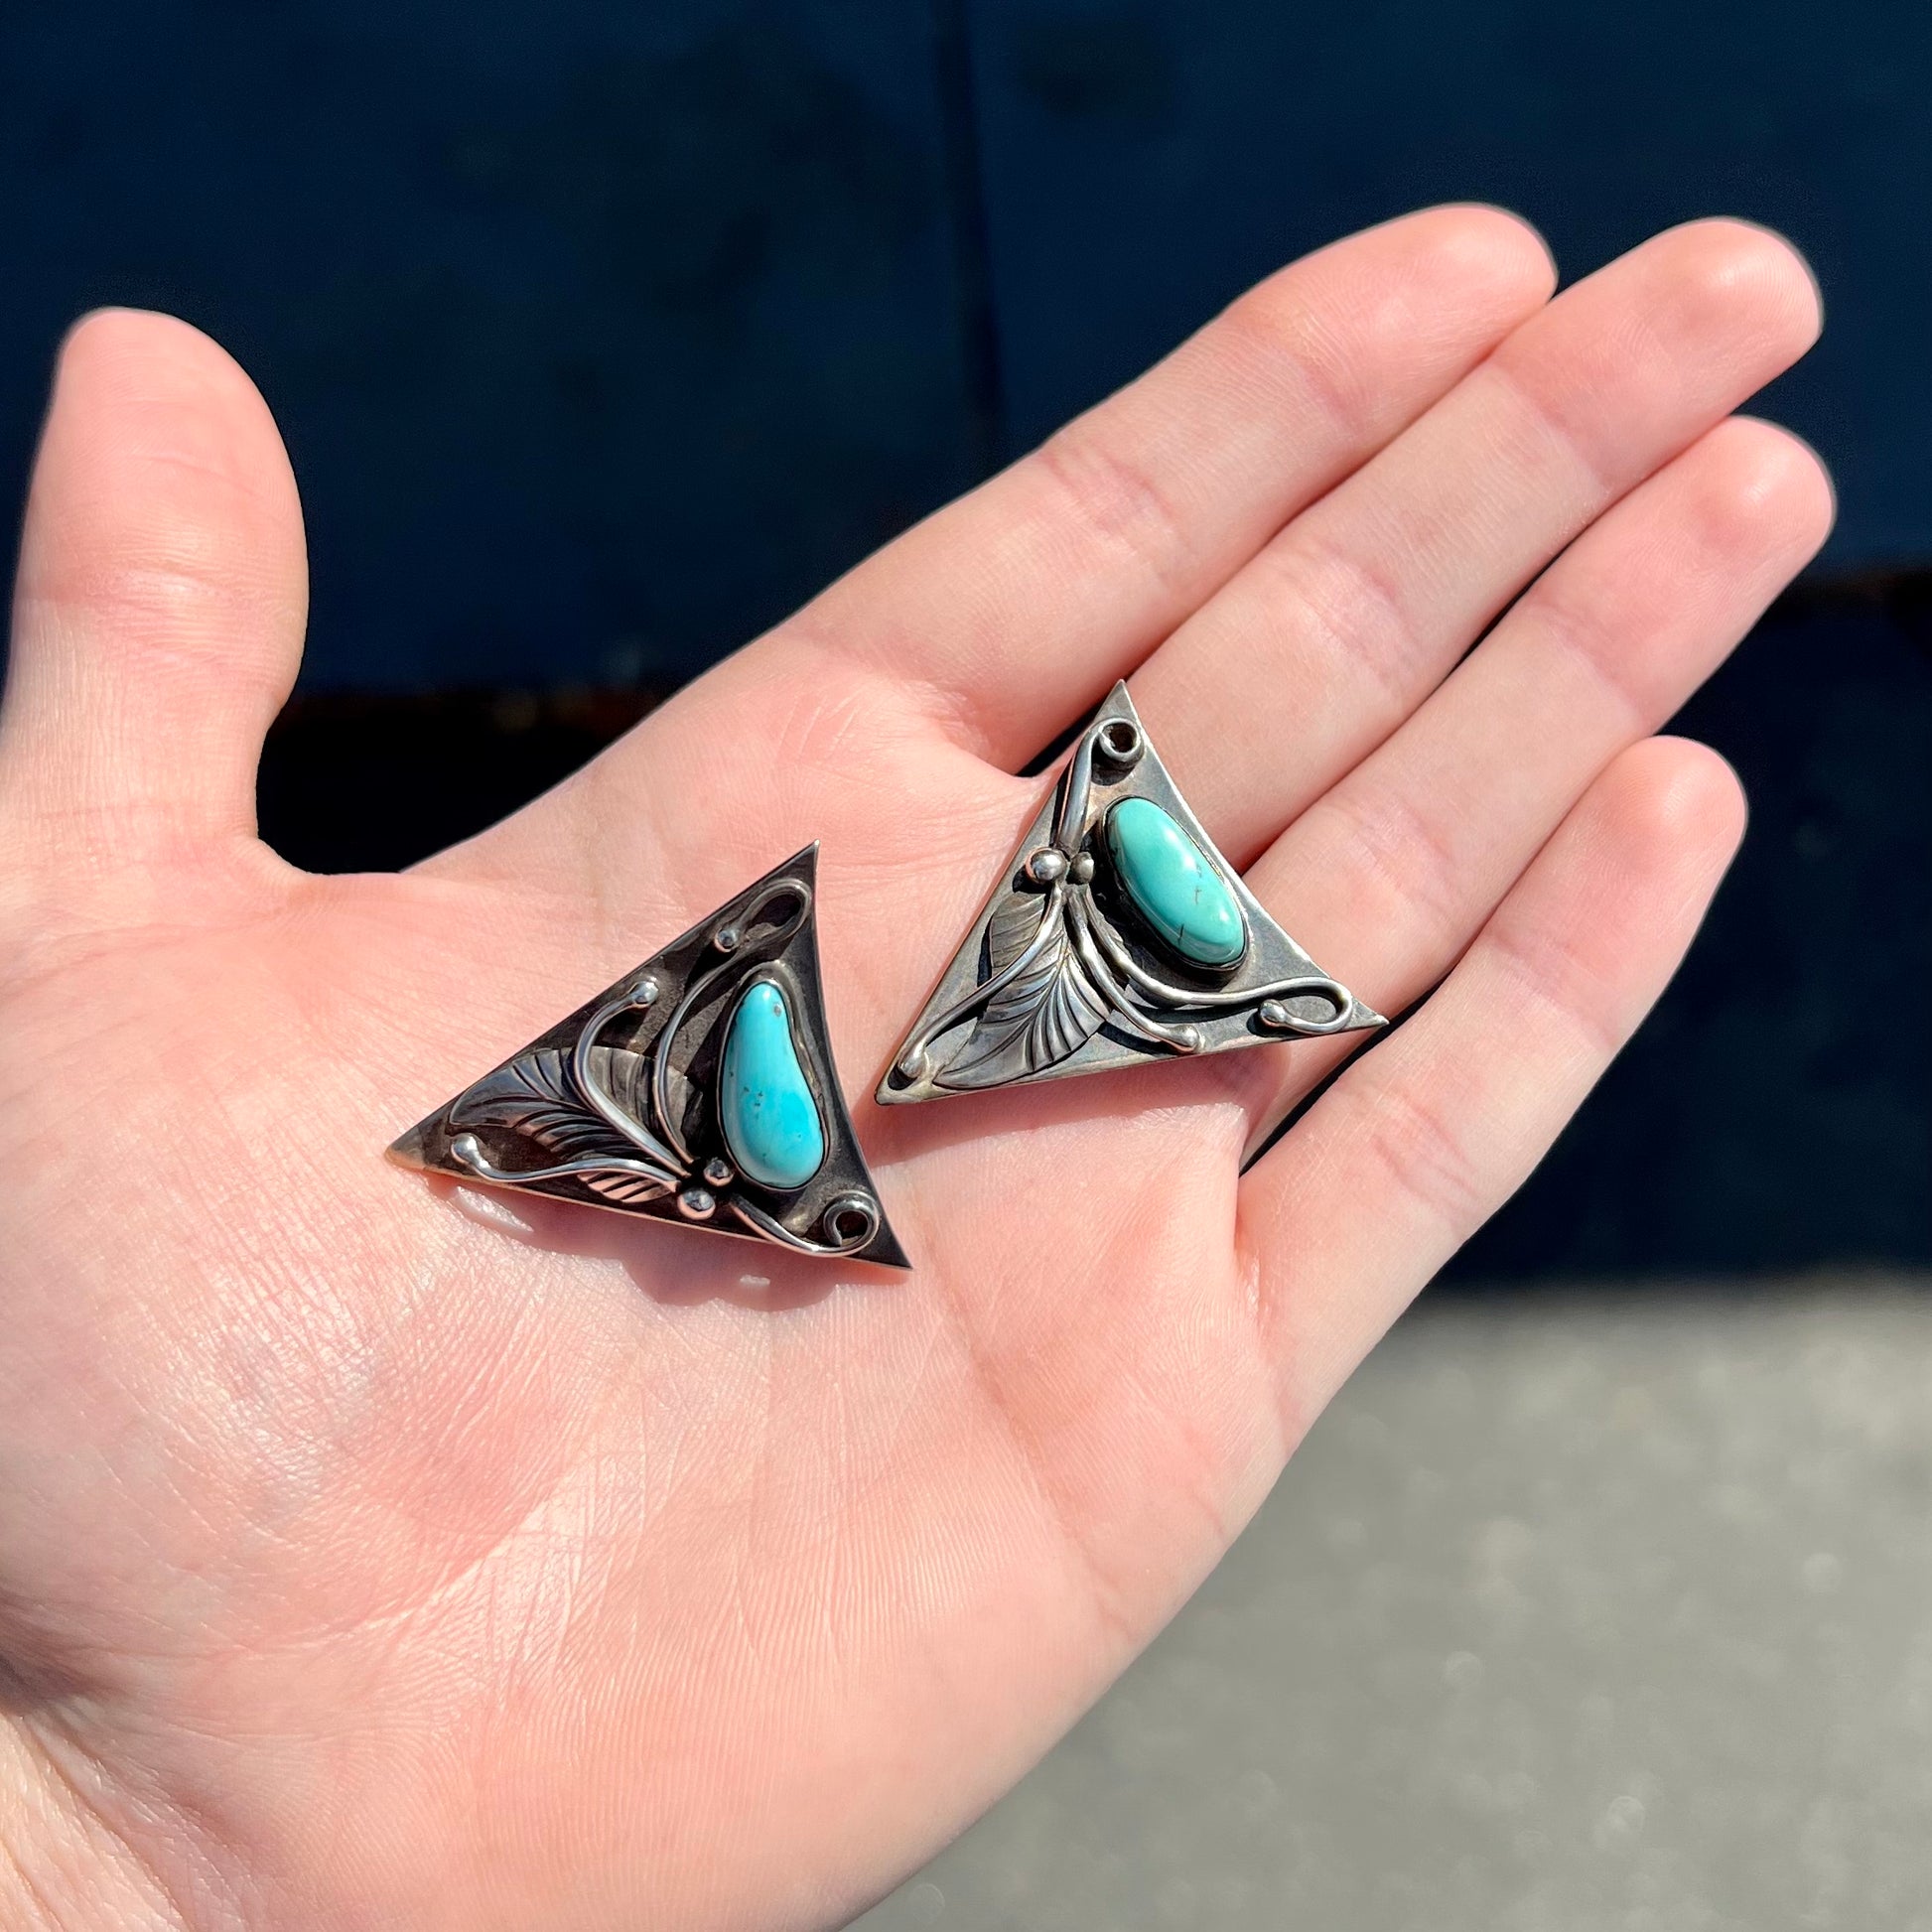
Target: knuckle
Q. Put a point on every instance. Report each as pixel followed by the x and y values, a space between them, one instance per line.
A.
pixel 1411 1138
pixel 1552 975
pixel 1557 401
pixel 1292 341
pixel 1409 860
pixel 1359 609
pixel 1594 633
pixel 1115 498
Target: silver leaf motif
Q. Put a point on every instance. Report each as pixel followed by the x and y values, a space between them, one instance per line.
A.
pixel 615 1106
pixel 1045 984
pixel 535 1096
pixel 1046 1011
pixel 618 1185
pixel 625 1077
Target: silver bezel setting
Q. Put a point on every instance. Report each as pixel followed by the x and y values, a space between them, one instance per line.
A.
pixel 1060 976
pixel 614 1107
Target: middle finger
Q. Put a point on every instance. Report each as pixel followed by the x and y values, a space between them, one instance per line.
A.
pixel 1322 645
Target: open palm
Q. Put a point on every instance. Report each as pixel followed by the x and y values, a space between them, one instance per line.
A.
pixel 375 1551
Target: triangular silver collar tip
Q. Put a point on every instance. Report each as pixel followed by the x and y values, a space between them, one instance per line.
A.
pixel 699 1089
pixel 1117 933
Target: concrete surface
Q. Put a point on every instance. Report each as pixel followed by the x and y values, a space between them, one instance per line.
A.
pixel 1581 1614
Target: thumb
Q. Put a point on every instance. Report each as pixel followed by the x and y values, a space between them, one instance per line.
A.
pixel 159 602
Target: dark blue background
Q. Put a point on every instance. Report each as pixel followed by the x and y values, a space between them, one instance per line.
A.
pixel 601 335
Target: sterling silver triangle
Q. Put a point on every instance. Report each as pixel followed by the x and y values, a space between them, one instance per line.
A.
pixel 1113 937
pixel 699 1088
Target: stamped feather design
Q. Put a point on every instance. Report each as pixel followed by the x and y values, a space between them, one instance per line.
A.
pixel 535 1096
pixel 1049 1010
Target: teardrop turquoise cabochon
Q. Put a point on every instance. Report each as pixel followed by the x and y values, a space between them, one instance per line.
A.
pixel 1175 887
pixel 766 1106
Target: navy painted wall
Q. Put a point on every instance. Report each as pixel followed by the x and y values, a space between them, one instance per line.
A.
pixel 1776 1112
pixel 599 332
pixel 602 334
pixel 1147 161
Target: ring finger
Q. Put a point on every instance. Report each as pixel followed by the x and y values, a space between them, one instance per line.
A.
pixel 1388 874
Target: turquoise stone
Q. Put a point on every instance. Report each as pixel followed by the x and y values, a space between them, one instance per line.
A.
pixel 1175 887
pixel 764 1102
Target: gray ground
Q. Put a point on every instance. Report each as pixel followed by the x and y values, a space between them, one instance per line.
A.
pixel 1579 1614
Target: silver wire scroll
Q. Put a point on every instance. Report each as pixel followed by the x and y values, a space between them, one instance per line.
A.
pixel 1059 975
pixel 616 1105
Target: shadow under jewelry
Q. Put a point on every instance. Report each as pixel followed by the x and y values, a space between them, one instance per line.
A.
pixel 678 1267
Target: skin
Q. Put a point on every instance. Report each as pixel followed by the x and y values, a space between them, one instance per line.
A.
pixel 375 1552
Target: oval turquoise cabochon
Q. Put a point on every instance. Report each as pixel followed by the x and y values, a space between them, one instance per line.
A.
pixel 766 1106
pixel 1174 884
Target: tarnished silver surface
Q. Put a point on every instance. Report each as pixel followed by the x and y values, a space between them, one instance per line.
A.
pixel 1059 975
pixel 615 1106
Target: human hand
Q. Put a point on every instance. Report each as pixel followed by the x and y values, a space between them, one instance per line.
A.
pixel 375 1555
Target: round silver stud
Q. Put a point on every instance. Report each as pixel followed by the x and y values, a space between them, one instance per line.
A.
pixel 1046 865
pixel 697 1204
